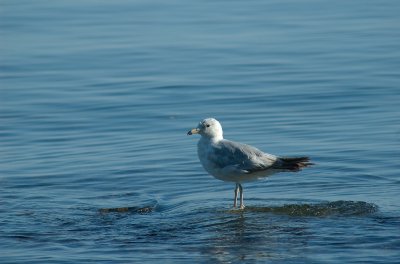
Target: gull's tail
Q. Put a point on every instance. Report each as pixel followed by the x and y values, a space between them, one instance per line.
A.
pixel 294 164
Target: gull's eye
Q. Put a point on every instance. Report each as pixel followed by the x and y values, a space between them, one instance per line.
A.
pixel 207 125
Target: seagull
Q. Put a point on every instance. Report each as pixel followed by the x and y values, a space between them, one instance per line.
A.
pixel 236 162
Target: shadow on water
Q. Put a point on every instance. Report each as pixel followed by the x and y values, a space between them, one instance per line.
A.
pixel 336 208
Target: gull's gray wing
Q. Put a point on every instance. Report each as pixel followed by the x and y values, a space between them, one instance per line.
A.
pixel 243 157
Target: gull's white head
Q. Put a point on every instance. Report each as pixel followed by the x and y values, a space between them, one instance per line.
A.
pixel 209 128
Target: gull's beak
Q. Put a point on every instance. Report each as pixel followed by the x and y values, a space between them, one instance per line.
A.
pixel 193 131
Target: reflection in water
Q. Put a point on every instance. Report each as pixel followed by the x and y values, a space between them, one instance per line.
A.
pixel 246 236
pixel 273 233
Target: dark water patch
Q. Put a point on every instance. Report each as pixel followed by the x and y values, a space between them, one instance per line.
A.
pixel 337 208
pixel 122 202
pixel 146 207
pixel 138 210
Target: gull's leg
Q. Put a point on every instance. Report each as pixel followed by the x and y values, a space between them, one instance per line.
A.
pixel 241 196
pixel 236 195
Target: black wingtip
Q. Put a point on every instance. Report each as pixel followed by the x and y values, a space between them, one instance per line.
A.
pixel 296 163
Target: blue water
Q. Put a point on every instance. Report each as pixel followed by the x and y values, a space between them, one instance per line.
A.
pixel 97 97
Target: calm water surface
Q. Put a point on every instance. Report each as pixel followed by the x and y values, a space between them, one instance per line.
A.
pixel 97 97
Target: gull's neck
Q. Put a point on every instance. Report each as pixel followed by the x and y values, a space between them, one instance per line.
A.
pixel 213 139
